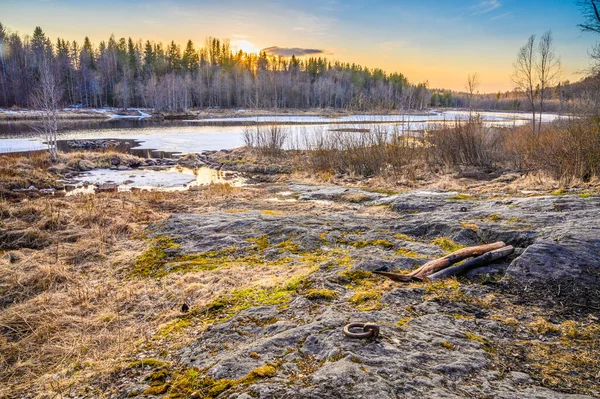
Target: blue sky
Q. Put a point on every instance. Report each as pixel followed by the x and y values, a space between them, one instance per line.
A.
pixel 438 41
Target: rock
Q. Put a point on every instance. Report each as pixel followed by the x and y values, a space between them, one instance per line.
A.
pixel 115 161
pixel 84 165
pixel 107 188
pixel 427 348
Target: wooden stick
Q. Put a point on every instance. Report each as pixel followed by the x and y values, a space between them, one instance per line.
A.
pixel 442 263
pixel 482 260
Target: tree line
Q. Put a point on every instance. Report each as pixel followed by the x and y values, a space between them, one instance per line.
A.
pixel 126 73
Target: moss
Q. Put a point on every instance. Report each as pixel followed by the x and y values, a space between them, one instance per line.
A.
pixel 261 242
pixel 460 197
pixel 404 237
pixel 356 276
pixel 407 253
pixel 158 389
pixel 324 294
pixel 512 207
pixel 151 363
pixel 173 327
pixel 561 191
pixel 366 300
pixel 447 244
pixel 289 246
pixel 494 217
pixel 585 195
pixel 447 345
pixel 403 322
pixel 157 376
pixel 470 226
pixel 543 327
pixel 485 343
pixel 150 263
pixel 266 371
pixel 235 301
pixel 254 355
pixel 463 317
pixel 221 386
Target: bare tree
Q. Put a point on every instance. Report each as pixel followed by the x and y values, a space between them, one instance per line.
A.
pixel 548 69
pixel 524 74
pixel 472 85
pixel 46 98
pixel 591 12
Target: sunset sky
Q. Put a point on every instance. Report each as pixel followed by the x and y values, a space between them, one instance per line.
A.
pixel 438 41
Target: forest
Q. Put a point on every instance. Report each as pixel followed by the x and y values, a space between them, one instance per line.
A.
pixel 123 73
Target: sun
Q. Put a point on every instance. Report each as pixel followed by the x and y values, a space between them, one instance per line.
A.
pixel 245 46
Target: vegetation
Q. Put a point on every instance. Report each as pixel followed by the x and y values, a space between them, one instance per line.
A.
pixel 125 73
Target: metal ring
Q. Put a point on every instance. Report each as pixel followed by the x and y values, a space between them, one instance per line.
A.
pixel 370 330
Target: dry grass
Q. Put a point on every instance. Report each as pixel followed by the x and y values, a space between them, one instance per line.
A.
pixel 70 308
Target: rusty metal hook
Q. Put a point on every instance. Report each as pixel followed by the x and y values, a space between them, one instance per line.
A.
pixel 369 330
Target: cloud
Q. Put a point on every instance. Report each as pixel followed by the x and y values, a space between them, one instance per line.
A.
pixel 485 6
pixel 289 51
pixel 501 16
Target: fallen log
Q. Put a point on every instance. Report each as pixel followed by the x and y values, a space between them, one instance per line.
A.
pixel 442 263
pixel 482 260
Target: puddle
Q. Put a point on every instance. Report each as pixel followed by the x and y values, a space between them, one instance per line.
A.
pixel 176 178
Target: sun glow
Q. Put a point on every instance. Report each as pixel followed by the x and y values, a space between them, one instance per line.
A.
pixel 245 46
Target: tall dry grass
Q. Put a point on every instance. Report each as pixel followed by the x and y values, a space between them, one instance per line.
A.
pixel 565 150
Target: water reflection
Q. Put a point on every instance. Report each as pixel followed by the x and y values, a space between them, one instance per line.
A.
pixel 177 178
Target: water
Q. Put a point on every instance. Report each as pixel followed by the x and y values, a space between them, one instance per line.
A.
pixel 174 179
pixel 194 136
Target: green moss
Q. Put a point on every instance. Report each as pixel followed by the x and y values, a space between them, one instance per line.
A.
pixel 494 217
pixel 485 343
pixel 356 276
pixel 266 371
pixel 151 262
pixel 407 253
pixel 404 237
pixel 221 386
pixel 192 381
pixel 151 363
pixel 402 322
pixel 288 246
pixel 447 244
pixel 173 327
pixel 447 345
pixel 155 390
pixel 460 197
pixel 321 294
pixel 585 195
pixel 560 192
pixel 261 242
pixel 366 300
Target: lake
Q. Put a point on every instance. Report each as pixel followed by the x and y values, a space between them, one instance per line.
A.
pixel 192 136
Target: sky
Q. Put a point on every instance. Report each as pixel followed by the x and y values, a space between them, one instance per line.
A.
pixel 440 42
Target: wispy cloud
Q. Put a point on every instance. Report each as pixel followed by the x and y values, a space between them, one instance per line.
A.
pixel 289 51
pixel 485 6
pixel 501 16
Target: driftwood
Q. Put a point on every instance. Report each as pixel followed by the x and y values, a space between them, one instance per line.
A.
pixel 482 260
pixel 442 263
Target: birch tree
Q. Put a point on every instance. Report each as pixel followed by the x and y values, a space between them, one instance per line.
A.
pixel 46 98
